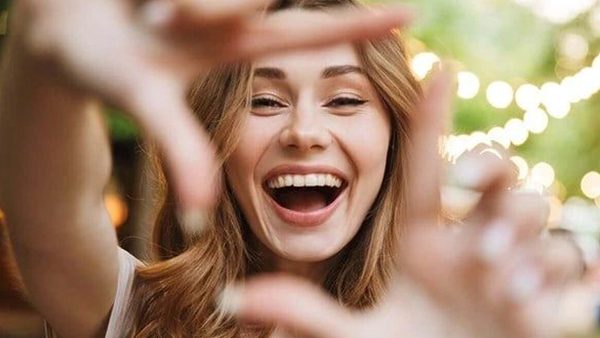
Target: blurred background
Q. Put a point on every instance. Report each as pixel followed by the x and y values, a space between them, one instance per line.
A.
pixel 528 75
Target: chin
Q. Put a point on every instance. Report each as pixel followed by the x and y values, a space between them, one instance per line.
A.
pixel 314 244
pixel 307 253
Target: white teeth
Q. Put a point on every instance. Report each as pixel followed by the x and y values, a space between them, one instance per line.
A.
pixel 309 180
pixel 321 180
pixel 298 181
pixel 289 181
pixel 329 180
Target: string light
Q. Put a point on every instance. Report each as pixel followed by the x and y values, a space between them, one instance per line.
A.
pixel 573 46
pixel 556 98
pixel 499 135
pixel 423 63
pixel 516 131
pixel 535 120
pixel 500 94
pixel 522 167
pixel 543 173
pixel 528 97
pixel 468 85
pixel 590 185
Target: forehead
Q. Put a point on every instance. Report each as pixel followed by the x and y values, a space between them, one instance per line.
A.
pixel 311 61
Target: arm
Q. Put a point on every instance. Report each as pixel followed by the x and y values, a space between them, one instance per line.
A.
pixel 55 162
pixel 53 151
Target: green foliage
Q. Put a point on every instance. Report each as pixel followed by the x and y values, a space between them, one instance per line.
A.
pixel 4 4
pixel 121 127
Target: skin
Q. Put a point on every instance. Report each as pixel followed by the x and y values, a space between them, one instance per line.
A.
pixel 307 125
pixel 58 213
pixel 510 293
pixel 63 242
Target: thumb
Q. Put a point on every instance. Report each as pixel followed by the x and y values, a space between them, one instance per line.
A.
pixel 290 302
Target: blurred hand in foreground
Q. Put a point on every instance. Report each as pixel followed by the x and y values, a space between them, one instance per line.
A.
pixel 142 59
pixel 488 277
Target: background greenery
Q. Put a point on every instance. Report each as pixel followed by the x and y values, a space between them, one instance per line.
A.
pixel 502 40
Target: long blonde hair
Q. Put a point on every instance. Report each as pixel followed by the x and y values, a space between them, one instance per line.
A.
pixel 174 296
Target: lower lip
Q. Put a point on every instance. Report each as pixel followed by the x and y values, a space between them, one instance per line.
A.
pixel 306 219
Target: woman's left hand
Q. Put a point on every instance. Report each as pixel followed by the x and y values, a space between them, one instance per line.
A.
pixel 489 277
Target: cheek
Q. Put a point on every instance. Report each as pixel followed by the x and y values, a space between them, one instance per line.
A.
pixel 254 142
pixel 366 140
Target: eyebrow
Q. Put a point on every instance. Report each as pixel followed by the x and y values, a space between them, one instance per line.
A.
pixel 329 72
pixel 340 70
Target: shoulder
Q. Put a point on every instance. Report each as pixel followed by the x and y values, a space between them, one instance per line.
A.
pixel 121 318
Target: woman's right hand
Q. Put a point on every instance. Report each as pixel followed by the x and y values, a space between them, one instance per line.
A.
pixel 142 58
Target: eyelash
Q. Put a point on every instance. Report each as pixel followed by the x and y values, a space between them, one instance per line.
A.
pixel 346 101
pixel 337 102
pixel 266 102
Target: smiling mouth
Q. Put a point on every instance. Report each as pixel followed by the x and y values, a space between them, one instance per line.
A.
pixel 305 193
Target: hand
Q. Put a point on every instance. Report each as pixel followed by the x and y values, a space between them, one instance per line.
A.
pixel 485 278
pixel 143 59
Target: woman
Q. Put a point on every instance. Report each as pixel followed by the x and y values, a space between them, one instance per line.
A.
pixel 313 147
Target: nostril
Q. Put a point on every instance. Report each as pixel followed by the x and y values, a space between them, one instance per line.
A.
pixel 307 138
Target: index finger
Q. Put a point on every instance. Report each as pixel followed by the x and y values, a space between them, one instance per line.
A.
pixel 425 161
pixel 307 29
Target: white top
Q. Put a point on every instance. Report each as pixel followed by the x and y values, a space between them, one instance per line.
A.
pixel 121 319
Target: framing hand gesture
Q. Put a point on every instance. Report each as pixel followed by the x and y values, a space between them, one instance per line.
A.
pixel 487 279
pixel 142 59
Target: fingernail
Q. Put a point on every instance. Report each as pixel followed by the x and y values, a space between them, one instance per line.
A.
pixel 192 221
pixel 230 299
pixel 157 13
pixel 526 282
pixel 495 241
pixel 467 172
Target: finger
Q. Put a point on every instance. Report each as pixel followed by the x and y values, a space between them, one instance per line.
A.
pixel 190 15
pixel 539 318
pixel 291 302
pixel 294 29
pixel 487 173
pixel 561 259
pixel 158 103
pixel 433 259
pixel 425 161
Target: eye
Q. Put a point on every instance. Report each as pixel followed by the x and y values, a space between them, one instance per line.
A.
pixel 265 102
pixel 346 101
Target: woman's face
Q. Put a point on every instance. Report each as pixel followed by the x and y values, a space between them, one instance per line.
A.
pixel 312 153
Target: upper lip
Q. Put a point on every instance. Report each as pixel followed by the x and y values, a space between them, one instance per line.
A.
pixel 291 169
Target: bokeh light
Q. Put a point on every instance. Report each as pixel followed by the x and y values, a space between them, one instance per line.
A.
pixel 522 166
pixel 590 185
pixel 499 135
pixel 468 85
pixel 528 97
pixel 500 94
pixel 423 63
pixel 535 120
pixel 543 173
pixel 516 131
pixel 573 46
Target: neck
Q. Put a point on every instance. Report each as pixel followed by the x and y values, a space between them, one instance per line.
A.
pixel 271 262
pixel 313 271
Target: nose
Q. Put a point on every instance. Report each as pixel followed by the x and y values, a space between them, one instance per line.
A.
pixel 305 132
